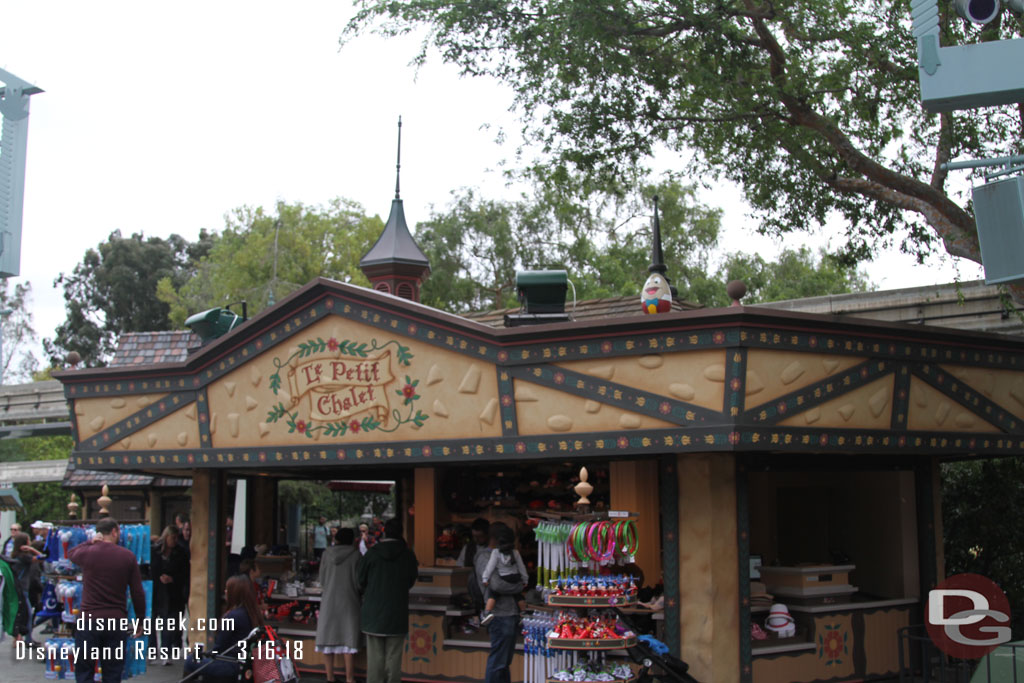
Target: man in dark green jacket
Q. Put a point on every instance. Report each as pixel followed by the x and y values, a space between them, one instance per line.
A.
pixel 386 573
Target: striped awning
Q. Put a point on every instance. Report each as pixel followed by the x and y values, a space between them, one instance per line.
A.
pixel 9 498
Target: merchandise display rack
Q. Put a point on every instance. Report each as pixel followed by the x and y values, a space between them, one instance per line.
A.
pixel 594 540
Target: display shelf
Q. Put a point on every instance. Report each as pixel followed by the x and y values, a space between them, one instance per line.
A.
pixel 590 601
pixel 614 680
pixel 300 598
pixel 592 643
pixel 299 630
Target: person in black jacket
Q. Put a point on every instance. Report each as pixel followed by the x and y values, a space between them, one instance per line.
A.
pixel 169 569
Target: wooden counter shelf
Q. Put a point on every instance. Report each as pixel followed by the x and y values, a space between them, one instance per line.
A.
pixel 592 643
pixel 590 601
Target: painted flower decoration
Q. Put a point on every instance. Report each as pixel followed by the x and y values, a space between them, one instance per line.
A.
pixel 832 644
pixel 422 643
pixel 408 392
pixel 718 337
pixel 665 408
pixel 300 426
pixel 353 426
pixel 332 344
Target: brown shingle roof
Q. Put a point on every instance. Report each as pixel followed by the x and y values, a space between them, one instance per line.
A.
pixel 76 478
pixel 147 348
pixel 591 309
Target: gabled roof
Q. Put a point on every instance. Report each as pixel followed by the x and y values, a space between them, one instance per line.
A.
pixel 215 358
pixel 146 348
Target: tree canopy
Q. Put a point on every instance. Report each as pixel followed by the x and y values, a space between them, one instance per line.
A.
pixel 19 361
pixel 113 290
pixel 476 245
pixel 262 256
pixel 812 107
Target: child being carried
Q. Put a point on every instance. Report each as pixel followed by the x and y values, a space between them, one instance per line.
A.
pixel 508 563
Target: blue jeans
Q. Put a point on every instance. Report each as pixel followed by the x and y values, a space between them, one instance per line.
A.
pixel 86 639
pixel 503 647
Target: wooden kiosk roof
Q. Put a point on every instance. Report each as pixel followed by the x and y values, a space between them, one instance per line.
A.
pixel 337 374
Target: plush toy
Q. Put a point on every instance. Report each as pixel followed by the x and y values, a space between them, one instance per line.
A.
pixel 656 296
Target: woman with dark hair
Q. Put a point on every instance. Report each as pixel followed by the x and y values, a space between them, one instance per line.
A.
pixel 22 559
pixel 169 569
pixel 241 616
pixel 337 627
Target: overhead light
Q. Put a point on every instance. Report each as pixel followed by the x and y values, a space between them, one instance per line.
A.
pixel 978 11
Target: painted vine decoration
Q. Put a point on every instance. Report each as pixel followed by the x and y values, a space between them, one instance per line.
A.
pixel 406 414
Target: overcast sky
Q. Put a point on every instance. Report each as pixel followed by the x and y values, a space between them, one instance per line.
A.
pixel 161 117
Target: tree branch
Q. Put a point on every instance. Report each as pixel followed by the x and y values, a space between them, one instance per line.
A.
pixel 955 226
pixel 957 240
pixel 943 151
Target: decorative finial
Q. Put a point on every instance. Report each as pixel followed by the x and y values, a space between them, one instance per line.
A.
pixel 398 163
pixel 73 507
pixel 736 290
pixel 104 501
pixel 583 489
pixel 657 257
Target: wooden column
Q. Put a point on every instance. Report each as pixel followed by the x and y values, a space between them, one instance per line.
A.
pixel 207 542
pixel 709 601
pixel 634 487
pixel 260 511
pixel 425 500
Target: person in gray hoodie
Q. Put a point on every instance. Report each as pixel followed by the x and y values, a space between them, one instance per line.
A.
pixel 386 573
pixel 337 626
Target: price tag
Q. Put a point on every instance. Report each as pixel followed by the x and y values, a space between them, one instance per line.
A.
pixel 618 513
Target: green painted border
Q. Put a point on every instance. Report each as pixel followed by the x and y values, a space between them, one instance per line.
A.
pixel 901 399
pixel 213 551
pixel 743 556
pixel 721 438
pixel 203 417
pixel 668 491
pixel 507 403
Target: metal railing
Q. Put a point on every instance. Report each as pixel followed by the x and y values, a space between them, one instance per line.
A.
pixel 920 661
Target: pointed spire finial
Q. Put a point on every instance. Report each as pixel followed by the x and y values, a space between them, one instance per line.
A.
pixel 398 163
pixel 657 257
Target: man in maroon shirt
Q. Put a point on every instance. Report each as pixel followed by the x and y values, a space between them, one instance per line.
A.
pixel 107 571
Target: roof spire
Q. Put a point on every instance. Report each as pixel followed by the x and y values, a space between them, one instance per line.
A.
pixel 657 257
pixel 395 263
pixel 398 163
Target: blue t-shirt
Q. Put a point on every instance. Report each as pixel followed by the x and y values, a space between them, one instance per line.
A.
pixel 320 533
